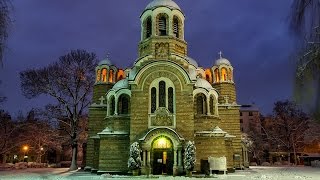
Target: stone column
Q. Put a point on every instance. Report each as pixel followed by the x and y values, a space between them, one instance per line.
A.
pixel 208 106
pixel 144 158
pixel 175 158
pixel 175 163
pixel 116 106
pixel 148 158
pixel 179 158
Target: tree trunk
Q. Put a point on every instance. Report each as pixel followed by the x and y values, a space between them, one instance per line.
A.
pixel 74 165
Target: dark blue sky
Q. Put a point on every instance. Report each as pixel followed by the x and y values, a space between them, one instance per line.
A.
pixel 252 34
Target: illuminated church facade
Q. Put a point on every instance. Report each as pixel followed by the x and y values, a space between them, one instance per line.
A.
pixel 162 102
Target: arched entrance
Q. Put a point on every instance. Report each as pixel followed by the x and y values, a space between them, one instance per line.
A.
pixel 161 151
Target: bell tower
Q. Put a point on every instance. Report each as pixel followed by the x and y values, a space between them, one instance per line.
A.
pixel 223 80
pixel 162 30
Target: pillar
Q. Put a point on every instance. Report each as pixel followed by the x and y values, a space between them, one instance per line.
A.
pixel 144 158
pixel 116 106
pixel 175 158
pixel 179 158
pixel 208 106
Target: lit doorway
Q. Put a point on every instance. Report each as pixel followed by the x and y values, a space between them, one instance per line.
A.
pixel 162 156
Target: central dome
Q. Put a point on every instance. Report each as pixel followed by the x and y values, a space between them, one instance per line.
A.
pixel 162 3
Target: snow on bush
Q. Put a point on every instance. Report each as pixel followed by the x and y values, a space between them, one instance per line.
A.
pixel 189 156
pixel 134 161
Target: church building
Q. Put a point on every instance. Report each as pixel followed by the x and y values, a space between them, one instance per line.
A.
pixel 163 101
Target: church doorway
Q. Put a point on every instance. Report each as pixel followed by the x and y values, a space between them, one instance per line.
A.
pixel 162 156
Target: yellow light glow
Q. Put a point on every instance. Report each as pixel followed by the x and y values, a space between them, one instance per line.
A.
pixel 25 148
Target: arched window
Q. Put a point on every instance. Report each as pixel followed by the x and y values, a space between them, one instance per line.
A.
pixel 211 103
pixel 162 94
pixel 201 101
pixel 111 75
pixel 153 99
pixel 98 75
pixel 112 106
pixel 176 27
pixel 162 25
pixel 216 75
pixel 120 74
pixel 170 99
pixel 224 75
pixel 148 27
pixel 124 104
pixel 104 75
pixel 230 74
pixel 208 75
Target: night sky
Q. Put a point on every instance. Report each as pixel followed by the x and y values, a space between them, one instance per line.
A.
pixel 252 34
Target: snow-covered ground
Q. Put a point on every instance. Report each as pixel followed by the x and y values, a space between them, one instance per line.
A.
pixel 254 173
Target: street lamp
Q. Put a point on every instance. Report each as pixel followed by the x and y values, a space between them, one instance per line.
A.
pixel 25 148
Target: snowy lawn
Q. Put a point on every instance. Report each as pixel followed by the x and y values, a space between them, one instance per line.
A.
pixel 254 173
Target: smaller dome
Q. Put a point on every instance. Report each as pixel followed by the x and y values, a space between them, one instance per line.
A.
pixel 162 3
pixel 192 61
pixel 202 83
pixel 122 84
pixel 105 62
pixel 222 61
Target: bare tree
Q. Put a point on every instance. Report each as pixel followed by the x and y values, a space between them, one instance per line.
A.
pixel 4 24
pixel 288 128
pixel 305 21
pixel 10 136
pixel 70 82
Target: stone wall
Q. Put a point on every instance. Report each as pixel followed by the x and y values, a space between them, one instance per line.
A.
pixel 114 153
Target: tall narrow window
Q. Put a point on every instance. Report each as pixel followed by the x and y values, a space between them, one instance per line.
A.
pixel 162 94
pixel 111 76
pixel 98 75
pixel 176 27
pixel 104 75
pixel 112 106
pixel 162 26
pixel 153 99
pixel 211 105
pixel 170 99
pixel 148 27
pixel 216 74
pixel 201 104
pixel 123 105
pixel 224 74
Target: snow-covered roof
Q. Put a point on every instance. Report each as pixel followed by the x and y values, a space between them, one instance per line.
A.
pixel 192 61
pixel 202 83
pixel 222 61
pixel 162 3
pixel 122 84
pixel 105 62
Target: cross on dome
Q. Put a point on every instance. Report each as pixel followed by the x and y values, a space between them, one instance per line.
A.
pixel 220 53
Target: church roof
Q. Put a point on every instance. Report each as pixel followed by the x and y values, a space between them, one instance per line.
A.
pixel 222 61
pixel 105 62
pixel 122 84
pixel 202 83
pixel 192 61
pixel 162 3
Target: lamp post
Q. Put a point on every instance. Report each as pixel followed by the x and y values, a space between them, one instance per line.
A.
pixel 25 149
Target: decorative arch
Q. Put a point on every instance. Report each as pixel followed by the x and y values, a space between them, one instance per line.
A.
pixel 104 74
pixel 123 104
pixel 200 105
pixel 162 24
pixel 177 27
pixel 120 75
pixel 173 71
pixel 98 75
pixel 208 75
pixel 147 27
pixel 217 75
pixel 169 133
pixel 162 94
pixel 224 74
